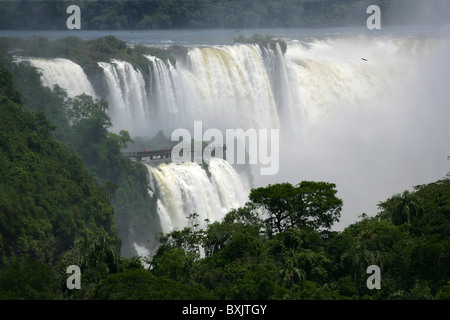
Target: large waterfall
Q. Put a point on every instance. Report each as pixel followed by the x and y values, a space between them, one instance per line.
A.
pixel 248 86
pixel 367 113
pixel 225 87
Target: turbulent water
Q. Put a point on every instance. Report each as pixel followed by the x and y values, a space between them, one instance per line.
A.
pixel 185 189
pixel 225 87
pixel 367 113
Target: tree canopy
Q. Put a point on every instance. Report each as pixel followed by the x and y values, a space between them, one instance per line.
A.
pixel 48 199
pixel 178 14
pixel 308 203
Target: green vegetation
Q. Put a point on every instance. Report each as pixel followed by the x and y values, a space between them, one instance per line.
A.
pixel 87 53
pixel 246 258
pixel 49 202
pixel 278 246
pixel 81 124
pixel 307 204
pixel 77 201
pixel 48 199
pixel 177 14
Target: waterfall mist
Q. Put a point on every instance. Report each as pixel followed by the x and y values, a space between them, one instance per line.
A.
pixel 367 113
pixel 375 127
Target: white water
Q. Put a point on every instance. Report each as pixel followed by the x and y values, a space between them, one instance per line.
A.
pixel 185 189
pixel 373 127
pixel 224 86
pixel 127 98
pixel 65 73
pixel 142 252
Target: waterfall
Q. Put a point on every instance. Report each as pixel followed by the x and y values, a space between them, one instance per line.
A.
pixel 185 189
pixel 341 118
pixel 127 97
pixel 232 87
pixel 232 191
pixel 248 86
pixel 63 72
pixel 224 86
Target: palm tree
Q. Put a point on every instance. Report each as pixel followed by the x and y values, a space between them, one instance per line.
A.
pixel 358 256
pixel 408 207
pixel 290 273
pixel 402 208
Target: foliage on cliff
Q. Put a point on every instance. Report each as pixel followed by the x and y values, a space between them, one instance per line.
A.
pixel 48 199
pixel 87 53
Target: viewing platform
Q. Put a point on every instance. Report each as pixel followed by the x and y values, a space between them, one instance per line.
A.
pixel 165 155
pixel 151 154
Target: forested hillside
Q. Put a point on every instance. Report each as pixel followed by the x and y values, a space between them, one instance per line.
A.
pixel 82 125
pixel 48 200
pixel 176 14
pixel 291 254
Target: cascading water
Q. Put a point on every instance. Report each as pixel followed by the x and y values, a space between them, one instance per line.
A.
pixel 246 86
pixel 342 119
pixel 185 189
pixel 127 97
pixel 225 87
pixel 65 73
